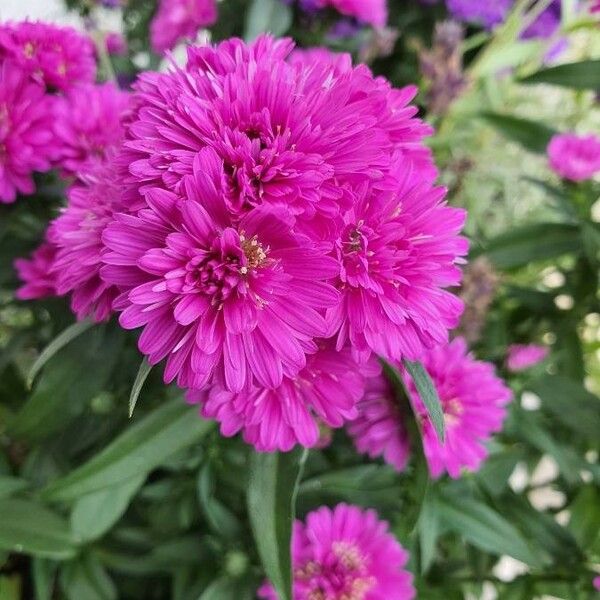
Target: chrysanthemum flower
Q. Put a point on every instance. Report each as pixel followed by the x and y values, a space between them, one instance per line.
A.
pixel 77 236
pixel 574 157
pixel 116 44
pixel 179 19
pixel 346 553
pixel 473 400
pixel 324 392
pixel 242 299
pixel 379 428
pixel 524 356
pixel 88 125
pixel 59 56
pixel 26 140
pixel 39 281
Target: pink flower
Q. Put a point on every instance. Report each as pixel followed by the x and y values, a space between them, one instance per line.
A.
pixel 346 553
pixel 324 392
pixel 243 299
pixel 473 400
pixel 178 19
pixel 523 356
pixel 59 56
pixel 116 44
pixel 26 140
pixel 596 582
pixel 77 237
pixel 574 157
pixel 36 273
pixel 379 428
pixel 373 12
pixel 88 125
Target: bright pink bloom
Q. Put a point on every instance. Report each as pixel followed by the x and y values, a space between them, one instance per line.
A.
pixel 379 428
pixel 574 157
pixel 523 356
pixel 39 281
pixel 61 57
pixel 180 19
pixel 473 401
pixel 116 44
pixel 373 12
pixel 346 553
pixel 596 582
pixel 88 125
pixel 26 140
pixel 77 236
pixel 326 390
pixel 242 300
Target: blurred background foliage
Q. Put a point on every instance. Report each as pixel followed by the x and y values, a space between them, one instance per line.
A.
pixel 96 506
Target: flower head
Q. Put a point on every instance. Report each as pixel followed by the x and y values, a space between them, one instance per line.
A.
pixel 575 157
pixel 524 356
pixel 179 19
pixel 39 281
pixel 26 140
pixel 116 44
pixel 88 125
pixel 346 553
pixel 371 12
pixel 61 57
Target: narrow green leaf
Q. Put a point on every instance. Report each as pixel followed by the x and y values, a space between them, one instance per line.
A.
pixel 267 16
pixel 94 514
pixel 42 574
pixel 428 395
pixel 30 528
pixel 584 523
pixel 584 75
pixel 59 342
pixel 138 450
pixel 532 135
pixel 140 378
pixel 272 491
pixel 429 530
pixel 11 485
pixel 87 578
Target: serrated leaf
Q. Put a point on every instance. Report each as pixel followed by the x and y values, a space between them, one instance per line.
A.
pixel 138 450
pixel 584 75
pixel 267 16
pixel 140 378
pixel 532 135
pixel 30 528
pixel 272 490
pixel 428 395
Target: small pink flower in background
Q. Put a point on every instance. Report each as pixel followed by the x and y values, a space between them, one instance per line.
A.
pixel 379 429
pixel 575 157
pixel 346 553
pixel 325 391
pixel 39 281
pixel 473 400
pixel 26 141
pixel 595 7
pixel 179 19
pixel 596 582
pixel 61 57
pixel 116 44
pixel 88 125
pixel 523 356
pixel 372 12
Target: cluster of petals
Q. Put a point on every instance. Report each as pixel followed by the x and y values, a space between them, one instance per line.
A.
pixel 180 19
pixel 574 157
pixel 346 553
pixel 473 400
pixel 59 57
pixel 38 279
pixel 523 356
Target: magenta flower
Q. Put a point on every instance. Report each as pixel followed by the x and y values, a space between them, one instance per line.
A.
pixel 473 401
pixel 596 582
pixel 88 125
pixel 39 281
pixel 26 140
pixel 346 553
pixel 371 12
pixel 116 44
pixel 240 299
pixel 523 356
pixel 59 56
pixel 379 428
pixel 77 237
pixel 180 19
pixel 574 157
pixel 324 392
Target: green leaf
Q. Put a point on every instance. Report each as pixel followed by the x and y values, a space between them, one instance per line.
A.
pixel 272 490
pixel 140 378
pixel 42 574
pixel 585 516
pixel 484 527
pixel 228 588
pixel 11 485
pixel 94 514
pixel 506 56
pixel 584 75
pixel 523 245
pixel 429 529
pixel 57 344
pixel 30 528
pixel 532 135
pixel 87 578
pixel 137 451
pixel 10 587
pixel 267 16
pixel 428 395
